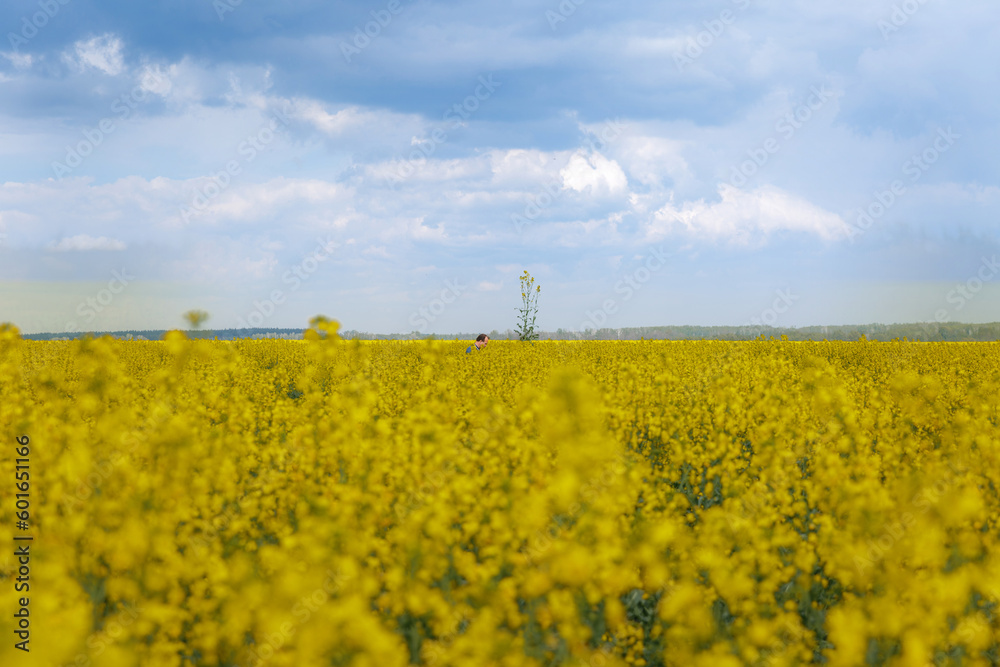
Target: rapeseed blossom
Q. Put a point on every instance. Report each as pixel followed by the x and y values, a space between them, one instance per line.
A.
pixel 339 502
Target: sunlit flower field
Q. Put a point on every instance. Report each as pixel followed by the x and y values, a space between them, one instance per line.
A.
pixel 329 502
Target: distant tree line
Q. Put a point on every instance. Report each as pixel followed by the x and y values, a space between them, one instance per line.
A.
pixel 946 331
pixel 158 334
pixel 932 331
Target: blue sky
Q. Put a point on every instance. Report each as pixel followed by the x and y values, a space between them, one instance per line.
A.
pixel 396 165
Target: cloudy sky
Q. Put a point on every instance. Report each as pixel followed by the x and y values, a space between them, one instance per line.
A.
pixel 397 164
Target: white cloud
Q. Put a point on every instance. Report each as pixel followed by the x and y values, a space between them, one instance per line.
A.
pixel 594 174
pixel 416 229
pixel 744 217
pixel 353 119
pixel 415 171
pixel 157 79
pixel 249 202
pixel 192 83
pixel 103 52
pixel 83 242
pixel 527 168
pixel 652 160
pixel 19 60
pixel 376 251
pixel 331 124
pixel 489 287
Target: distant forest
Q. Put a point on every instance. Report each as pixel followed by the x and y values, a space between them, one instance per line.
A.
pixel 933 331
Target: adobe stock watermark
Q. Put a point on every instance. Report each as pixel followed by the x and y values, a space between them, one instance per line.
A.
pixel 786 127
pixel 425 492
pixel 454 116
pixel 900 16
pixel 247 151
pixel 549 193
pixel 295 277
pixel 542 199
pixel 915 167
pixel 783 301
pixel 968 627
pixel 30 25
pixel 753 502
pixel 920 504
pixel 627 287
pixel 302 611
pixel 589 492
pixel 703 40
pixel 431 311
pixel 92 306
pixel 202 541
pixel 965 292
pixel 562 12
pixel 223 7
pixel 102 470
pixel 123 107
pixel 363 35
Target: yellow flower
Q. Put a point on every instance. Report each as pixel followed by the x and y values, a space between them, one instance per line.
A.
pixel 325 501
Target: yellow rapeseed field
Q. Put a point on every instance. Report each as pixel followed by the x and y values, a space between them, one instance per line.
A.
pixel 329 502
